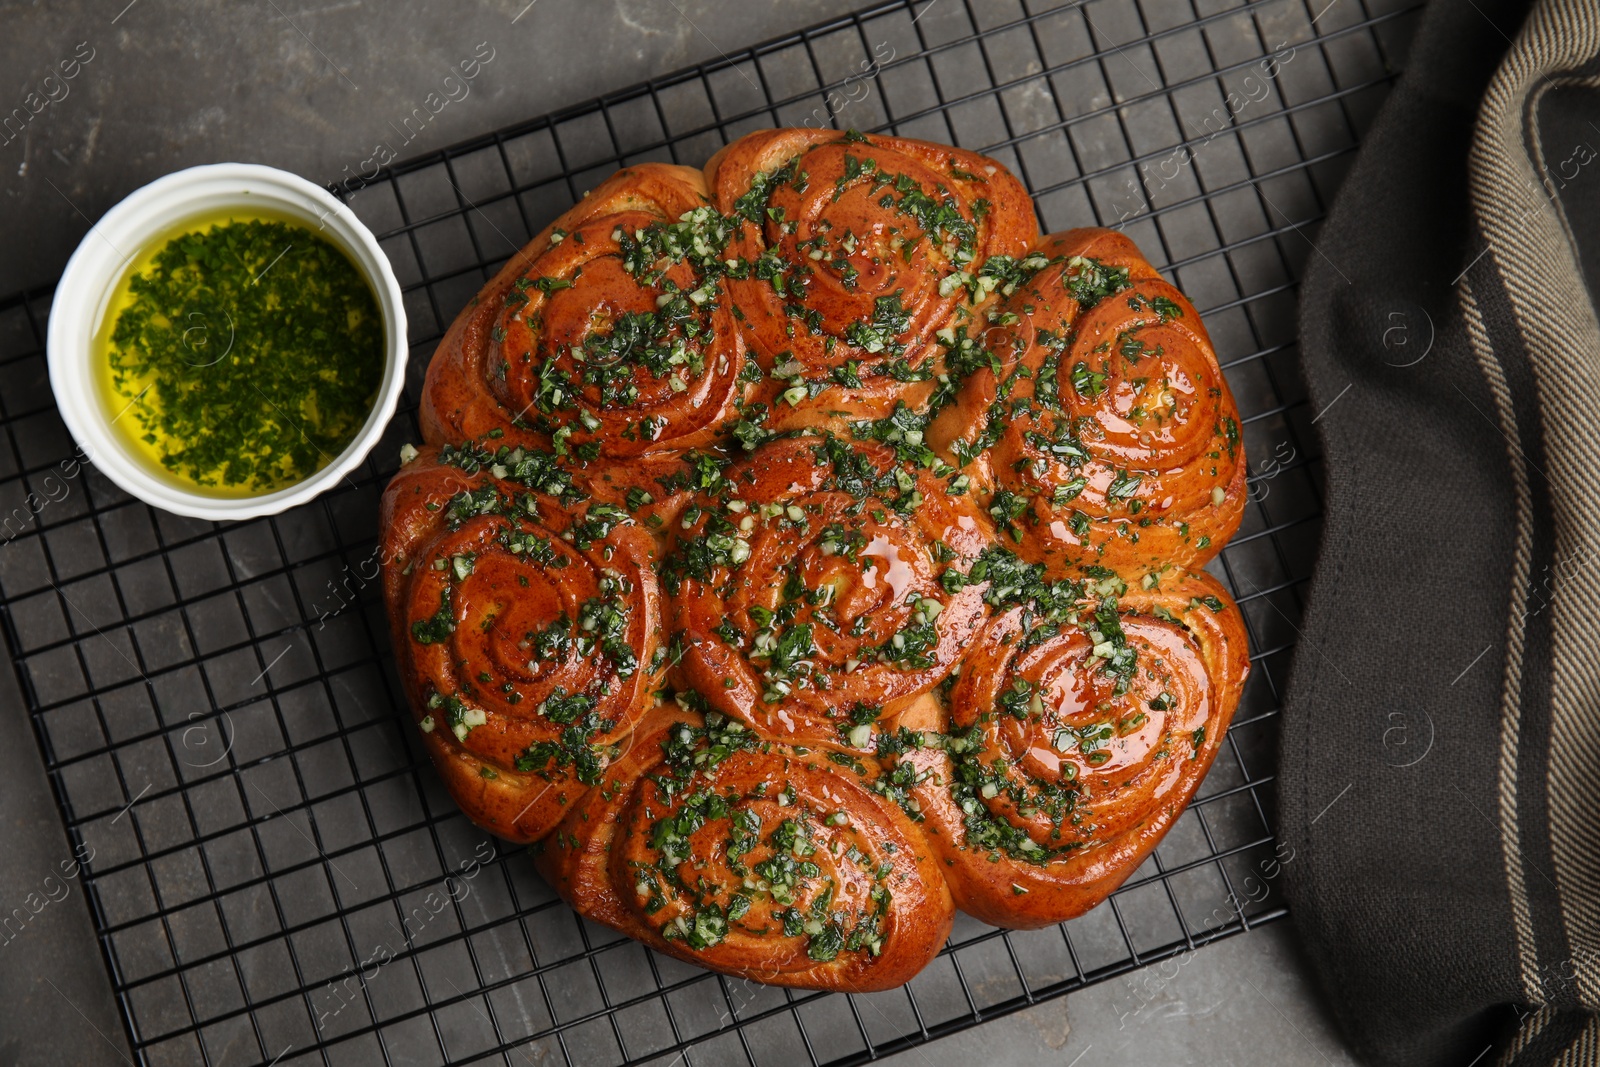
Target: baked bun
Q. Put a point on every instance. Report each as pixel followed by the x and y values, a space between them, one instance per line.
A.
pixel 804 548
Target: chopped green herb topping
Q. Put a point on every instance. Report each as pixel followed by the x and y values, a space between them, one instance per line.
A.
pixel 247 356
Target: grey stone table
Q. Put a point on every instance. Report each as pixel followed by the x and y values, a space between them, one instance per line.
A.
pixel 312 86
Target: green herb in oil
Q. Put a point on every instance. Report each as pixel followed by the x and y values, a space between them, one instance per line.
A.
pixel 246 356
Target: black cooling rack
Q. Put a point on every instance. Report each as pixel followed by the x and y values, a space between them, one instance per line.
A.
pixel 277 875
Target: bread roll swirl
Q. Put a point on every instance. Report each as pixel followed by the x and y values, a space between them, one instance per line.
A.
pixel 861 249
pixel 778 863
pixel 1098 415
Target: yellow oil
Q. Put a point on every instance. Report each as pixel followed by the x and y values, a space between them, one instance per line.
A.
pixel 117 403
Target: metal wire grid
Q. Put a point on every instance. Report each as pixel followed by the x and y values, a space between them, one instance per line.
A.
pixel 277 876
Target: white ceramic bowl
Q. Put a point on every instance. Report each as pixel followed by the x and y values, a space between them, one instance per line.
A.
pixel 97 267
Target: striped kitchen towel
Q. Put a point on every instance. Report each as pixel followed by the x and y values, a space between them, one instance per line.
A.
pixel 1440 756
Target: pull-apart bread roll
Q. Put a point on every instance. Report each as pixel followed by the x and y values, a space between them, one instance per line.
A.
pixel 804 548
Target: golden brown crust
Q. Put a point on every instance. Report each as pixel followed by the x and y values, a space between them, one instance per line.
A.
pixel 825 610
pixel 1115 439
pixel 515 360
pixel 875 233
pixel 804 547
pixel 1063 772
pixel 753 858
pixel 528 627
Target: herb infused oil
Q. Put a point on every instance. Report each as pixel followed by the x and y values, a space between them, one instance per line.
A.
pixel 240 354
